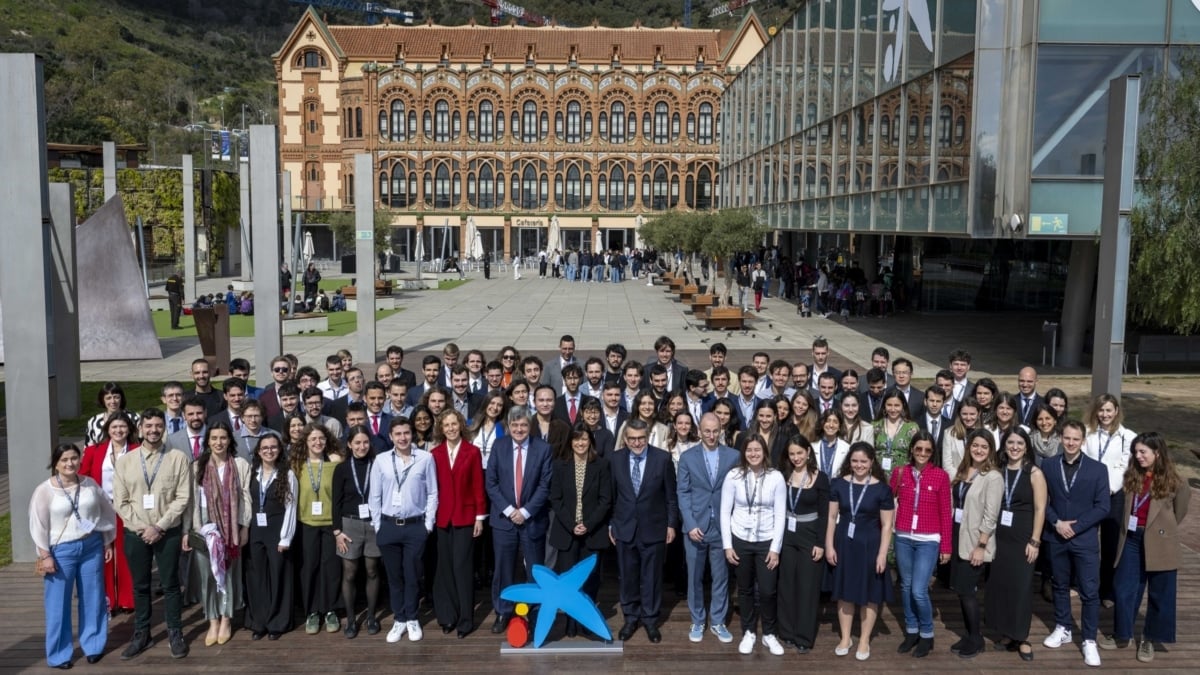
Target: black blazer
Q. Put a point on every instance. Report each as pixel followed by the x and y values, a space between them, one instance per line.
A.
pixel 606 442
pixel 865 411
pixel 558 438
pixel 621 417
pixel 597 503
pixel 560 407
pixel 677 377
pixel 644 517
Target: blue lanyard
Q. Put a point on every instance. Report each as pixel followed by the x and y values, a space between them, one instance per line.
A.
pixel 1105 448
pixel 316 484
pixel 73 500
pixel 366 484
pixel 150 476
pixel 262 489
pixel 1008 492
pixel 1067 486
pixel 855 504
pixel 1138 502
pixel 827 450
pixel 400 478
pixel 794 501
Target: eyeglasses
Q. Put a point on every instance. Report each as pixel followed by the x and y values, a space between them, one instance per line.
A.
pixel 509 356
pixel 281 370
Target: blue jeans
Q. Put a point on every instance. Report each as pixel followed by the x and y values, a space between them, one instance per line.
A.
pixel 916 560
pixel 1129 584
pixel 697 555
pixel 78 568
pixel 585 272
pixel 570 272
pixel 1077 559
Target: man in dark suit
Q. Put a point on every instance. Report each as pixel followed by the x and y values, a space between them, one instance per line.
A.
pixel 645 518
pixel 554 369
pixel 568 405
pixel 234 391
pixel 696 396
pixel 461 397
pixel 820 365
pixel 518 486
pixel 281 371
pixel 1029 399
pixel 612 411
pixel 870 402
pixel 931 420
pixel 377 420
pixel 395 359
pixel 881 359
pixel 1077 500
pixel 664 355
pixel 431 369
pixel 902 370
pixel 289 405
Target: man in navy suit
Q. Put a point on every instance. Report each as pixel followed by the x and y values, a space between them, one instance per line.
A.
pixel 931 419
pixel 431 369
pixel 645 517
pixel 1078 499
pixel 1029 399
pixel 870 402
pixel 902 370
pixel 702 471
pixel 570 400
pixel 664 355
pixel 518 486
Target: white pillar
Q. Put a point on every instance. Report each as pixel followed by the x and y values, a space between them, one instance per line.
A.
pixel 66 298
pixel 285 181
pixel 264 213
pixel 29 371
pixel 110 170
pixel 244 226
pixel 189 231
pixel 364 255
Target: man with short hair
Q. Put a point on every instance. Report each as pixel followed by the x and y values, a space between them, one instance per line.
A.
pixel 532 371
pixel 449 360
pixel 172 400
pixel 570 403
pixel 701 475
pixel 314 400
pixel 152 493
pixel 880 358
pixel 395 359
pixel 202 388
pixel 240 368
pixel 762 369
pixel 1077 500
pixel 820 364
pixel 384 374
pixel 826 392
pixel 902 371
pixel 720 387
pixel 289 406
pixel 356 383
pixel 252 429
pixel 633 385
pixel 800 376
pixel 396 406
pixel 461 398
pixel 777 383
pixel 658 384
pixel 644 520
pixel 377 420
pixel 614 359
pixel 334 387
pixel 870 402
pixel 234 389
pixel 746 402
pixel 476 382
pixel 664 354
pixel 566 357
pixel 960 366
pixel 613 409
pixel 190 439
pixel 1028 399
pixel 716 358
pixel 696 396
pixel 931 420
pixel 593 377
pixel 944 380
pixel 493 375
pixel 281 371
pixel 431 369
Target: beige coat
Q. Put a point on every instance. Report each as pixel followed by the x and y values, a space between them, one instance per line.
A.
pixel 981 509
pixel 1161 541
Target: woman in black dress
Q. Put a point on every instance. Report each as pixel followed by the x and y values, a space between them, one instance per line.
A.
pixel 1008 604
pixel 802 559
pixel 858 535
pixel 273 496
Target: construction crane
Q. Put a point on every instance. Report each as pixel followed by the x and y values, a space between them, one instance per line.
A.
pixel 501 7
pixel 373 11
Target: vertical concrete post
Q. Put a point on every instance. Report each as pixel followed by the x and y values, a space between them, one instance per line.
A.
pixel 110 170
pixel 364 255
pixel 264 213
pixel 29 374
pixel 1077 302
pixel 189 231
pixel 244 217
pixel 285 180
pixel 66 298
pixel 1115 233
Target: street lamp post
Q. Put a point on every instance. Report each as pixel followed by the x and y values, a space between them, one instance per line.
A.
pixel 243 116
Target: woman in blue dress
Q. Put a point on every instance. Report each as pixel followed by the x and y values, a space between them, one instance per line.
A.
pixel 858 535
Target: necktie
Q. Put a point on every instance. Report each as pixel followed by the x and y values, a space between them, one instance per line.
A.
pixel 176 424
pixel 637 474
pixel 933 429
pixel 571 410
pixel 1025 402
pixel 520 477
pixel 237 423
pixel 195 447
pixel 375 424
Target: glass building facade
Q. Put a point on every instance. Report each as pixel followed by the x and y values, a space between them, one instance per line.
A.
pixel 927 125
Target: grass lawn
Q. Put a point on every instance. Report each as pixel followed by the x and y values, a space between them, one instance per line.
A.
pixel 340 323
pixel 447 285
pixel 5 539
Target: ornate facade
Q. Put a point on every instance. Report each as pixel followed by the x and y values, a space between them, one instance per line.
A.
pixel 508 126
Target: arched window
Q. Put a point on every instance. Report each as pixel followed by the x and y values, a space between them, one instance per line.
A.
pixel 647 129
pixel 544 126
pixel 441 122
pixel 945 126
pixel 705 131
pixel 691 126
pixel 529 131
pixel 616 189
pixel 487 122
pixel 617 131
pixel 313 59
pixel 486 188
pixel 574 195
pixel 383 125
pixel 704 189
pixel 400 196
pixel 383 187
pixel 412 124
pixel 358 123
pixel 659 200
pixel 397 121
pixel 574 130
pixel 661 120
pixel 529 188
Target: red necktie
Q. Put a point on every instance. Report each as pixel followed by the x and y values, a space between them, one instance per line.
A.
pixel 375 424
pixel 572 411
pixel 195 447
pixel 520 478
pixel 237 423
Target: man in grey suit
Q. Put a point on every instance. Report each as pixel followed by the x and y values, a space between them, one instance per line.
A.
pixel 702 471
pixel 566 356
pixel 190 439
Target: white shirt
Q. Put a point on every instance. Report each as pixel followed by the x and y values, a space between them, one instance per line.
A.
pixel 524 464
pixel 418 494
pixel 753 508
pixel 1116 450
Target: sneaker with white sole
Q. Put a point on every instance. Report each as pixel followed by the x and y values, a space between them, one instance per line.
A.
pixel 414 631
pixel 722 633
pixel 1061 636
pixel 397 631
pixel 772 644
pixel 1091 655
pixel 696 634
pixel 747 644
pixel 1145 652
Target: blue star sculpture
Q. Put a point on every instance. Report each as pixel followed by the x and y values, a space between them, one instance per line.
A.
pixel 560 592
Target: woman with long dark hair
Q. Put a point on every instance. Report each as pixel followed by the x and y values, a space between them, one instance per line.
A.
pixel 353 535
pixel 320 571
pixel 978 491
pixel 269 573
pixel 894 432
pixel 802 558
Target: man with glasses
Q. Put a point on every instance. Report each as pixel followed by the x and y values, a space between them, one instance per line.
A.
pixel 281 372
pixel 902 371
pixel 172 400
pixel 252 429
pixel 644 520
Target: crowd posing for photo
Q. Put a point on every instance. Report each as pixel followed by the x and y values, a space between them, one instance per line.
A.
pixel 782 485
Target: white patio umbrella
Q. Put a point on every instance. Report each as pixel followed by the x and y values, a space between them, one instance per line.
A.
pixel 554 237
pixel 419 255
pixel 477 251
pixel 309 250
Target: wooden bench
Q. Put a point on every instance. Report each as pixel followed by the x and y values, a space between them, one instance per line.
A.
pixel 720 318
pixel 688 292
pixel 675 283
pixel 701 302
pixel 382 288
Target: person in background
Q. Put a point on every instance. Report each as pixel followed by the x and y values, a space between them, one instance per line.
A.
pixel 73 527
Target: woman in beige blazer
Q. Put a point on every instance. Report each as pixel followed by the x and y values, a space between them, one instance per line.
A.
pixel 1156 501
pixel 977 492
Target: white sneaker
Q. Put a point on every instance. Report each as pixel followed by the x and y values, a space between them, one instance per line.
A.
pixel 397 631
pixel 773 644
pixel 1061 636
pixel 414 631
pixel 747 644
pixel 1091 655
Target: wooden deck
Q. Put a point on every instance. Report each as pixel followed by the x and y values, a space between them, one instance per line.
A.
pixel 21 642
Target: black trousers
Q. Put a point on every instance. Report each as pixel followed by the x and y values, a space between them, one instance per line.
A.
pixel 401 548
pixel 641 569
pixel 571 555
pixel 800 585
pixel 320 569
pixel 269 580
pixel 751 572
pixel 176 302
pixel 140 556
pixel 454 581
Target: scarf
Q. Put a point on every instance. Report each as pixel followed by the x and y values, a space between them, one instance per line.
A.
pixel 220 495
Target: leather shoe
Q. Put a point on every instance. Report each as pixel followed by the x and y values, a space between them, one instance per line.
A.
pixel 463 633
pixel 258 635
pixel 446 629
pixel 64 666
pixel 373 626
pixel 627 631
pixel 94 658
pixel 500 624
pixel 653 634
pixel 272 636
pixel 351 630
pixel 141 642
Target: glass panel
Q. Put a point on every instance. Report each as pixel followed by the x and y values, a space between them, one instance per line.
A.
pixel 1071 104
pixel 868 35
pixel 919 45
pixel 841 213
pixel 958 30
pixel 846 24
pixel 954 121
pixel 826 55
pixel 886 211
pixel 1103 21
pixel 920 105
pixel 950 207
pixel 821 216
pixel 915 203
pixel 845 126
pixel 860 212
pixel 1185 22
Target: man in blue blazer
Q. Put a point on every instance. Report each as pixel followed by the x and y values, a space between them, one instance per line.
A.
pixel 645 517
pixel 520 506
pixel 1078 499
pixel 702 471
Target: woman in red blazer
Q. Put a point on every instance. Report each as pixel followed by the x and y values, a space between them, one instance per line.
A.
pixel 460 514
pixel 117 438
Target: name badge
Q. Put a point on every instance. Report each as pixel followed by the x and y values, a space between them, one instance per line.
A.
pixel 887 463
pixel 318 508
pixel 148 502
pixel 1006 518
pixel 958 515
pixel 1133 523
pixel 914 523
pixel 260 519
pixel 86 525
pixel 850 531
pixel 396 500
pixel 364 511
pixel 791 523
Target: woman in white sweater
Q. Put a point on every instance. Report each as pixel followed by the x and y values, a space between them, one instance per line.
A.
pixel 753 505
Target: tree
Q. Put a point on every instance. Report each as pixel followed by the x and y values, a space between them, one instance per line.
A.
pixel 1164 284
pixel 730 232
pixel 342 224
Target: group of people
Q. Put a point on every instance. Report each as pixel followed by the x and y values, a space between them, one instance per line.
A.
pixel 613 265
pixel 796 483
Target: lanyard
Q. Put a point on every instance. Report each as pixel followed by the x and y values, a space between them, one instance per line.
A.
pixel 1105 448
pixel 75 500
pixel 263 486
pixel 752 496
pixel 316 484
pixel 1138 502
pixel 366 484
pixel 150 476
pixel 795 501
pixel 1008 492
pixel 916 488
pixel 854 504
pixel 401 478
pixel 1067 486
pixel 827 450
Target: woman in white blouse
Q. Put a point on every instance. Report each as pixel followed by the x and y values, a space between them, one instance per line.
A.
pixel 488 426
pixel 854 427
pixel 274 493
pixel 73 526
pixel 753 504
pixel 1108 442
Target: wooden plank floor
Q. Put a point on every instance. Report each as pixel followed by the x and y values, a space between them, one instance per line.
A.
pixel 22 642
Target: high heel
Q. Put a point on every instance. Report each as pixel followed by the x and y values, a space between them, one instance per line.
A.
pixel 210 638
pixel 225 632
